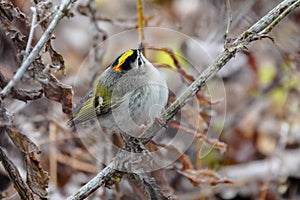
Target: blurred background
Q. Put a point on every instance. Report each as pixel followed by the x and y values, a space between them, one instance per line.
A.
pixel 250 113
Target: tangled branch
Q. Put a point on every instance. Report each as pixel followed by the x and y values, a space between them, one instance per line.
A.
pixel 256 32
pixel 61 12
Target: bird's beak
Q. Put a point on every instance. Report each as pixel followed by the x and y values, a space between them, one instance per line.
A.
pixel 140 48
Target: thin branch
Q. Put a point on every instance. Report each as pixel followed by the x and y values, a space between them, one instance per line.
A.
pixel 63 8
pixel 139 7
pixel 229 19
pixel 93 184
pixel 262 26
pixel 116 21
pixel 280 11
pixel 147 186
pixel 14 175
pixel 236 46
pixel 53 154
pixel 19 94
pixel 31 32
pixel 280 17
pixel 176 62
pixel 44 19
pixel 76 164
pixel 97 31
pixel 215 143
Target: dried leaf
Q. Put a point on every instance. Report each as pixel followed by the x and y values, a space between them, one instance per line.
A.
pixel 21 187
pixel 59 92
pixel 193 118
pixel 152 146
pixel 13 33
pixel 177 64
pixel 5 118
pixel 213 142
pixel 207 176
pixel 13 19
pixel 25 95
pixel 205 100
pixel 16 25
pixel 184 159
pixel 19 41
pixel 57 59
pixel 22 141
pixel 8 56
pixel 186 162
pixel 19 94
pixel 252 64
pixel 37 178
pixel 5 185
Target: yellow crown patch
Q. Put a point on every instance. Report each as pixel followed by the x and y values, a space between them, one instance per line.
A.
pixel 122 59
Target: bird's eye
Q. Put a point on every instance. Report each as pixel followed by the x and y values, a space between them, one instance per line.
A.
pixel 140 62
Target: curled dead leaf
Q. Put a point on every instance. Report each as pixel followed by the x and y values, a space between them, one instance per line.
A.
pixel 59 92
pixel 12 18
pixel 206 176
pixel 21 187
pixel 5 118
pixel 193 118
pixel 37 178
pixel 22 141
pixel 176 62
pixel 214 142
pixel 184 159
pixel 56 58
pixel 20 94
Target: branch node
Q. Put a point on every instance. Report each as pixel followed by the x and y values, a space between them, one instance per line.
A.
pixel 112 179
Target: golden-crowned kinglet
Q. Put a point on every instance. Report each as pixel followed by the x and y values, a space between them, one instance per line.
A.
pixel 128 95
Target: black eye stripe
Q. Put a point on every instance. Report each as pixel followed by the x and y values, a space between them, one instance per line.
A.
pixel 127 64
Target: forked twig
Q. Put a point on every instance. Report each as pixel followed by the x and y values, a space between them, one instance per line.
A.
pixel 61 12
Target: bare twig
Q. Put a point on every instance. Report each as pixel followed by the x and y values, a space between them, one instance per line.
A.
pixel 147 186
pixel 22 188
pixel 41 21
pixel 61 12
pixel 280 17
pixel 53 154
pixel 116 21
pixel 97 31
pixel 20 94
pixel 178 66
pixel 229 19
pixel 94 184
pixel 98 35
pixel 139 7
pixel 76 164
pixel 221 146
pixel 250 35
pixel 31 33
pixel 238 16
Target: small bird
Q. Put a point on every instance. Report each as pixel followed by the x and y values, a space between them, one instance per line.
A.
pixel 127 96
